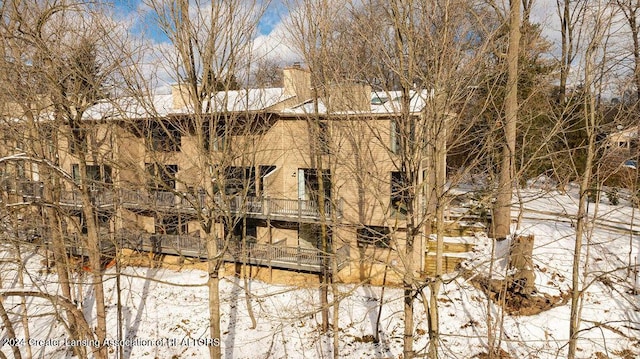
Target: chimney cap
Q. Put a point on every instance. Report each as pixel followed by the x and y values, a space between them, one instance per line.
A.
pixel 296 66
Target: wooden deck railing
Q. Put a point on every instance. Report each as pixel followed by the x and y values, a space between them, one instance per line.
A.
pixel 275 255
pixel 279 207
pixel 184 245
pixel 24 187
pixel 165 200
pixel 99 198
pixel 278 255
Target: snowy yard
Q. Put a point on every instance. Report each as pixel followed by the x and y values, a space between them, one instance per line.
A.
pixel 165 307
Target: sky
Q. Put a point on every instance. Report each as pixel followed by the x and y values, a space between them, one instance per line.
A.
pixel 271 28
pixel 138 12
pixel 270 39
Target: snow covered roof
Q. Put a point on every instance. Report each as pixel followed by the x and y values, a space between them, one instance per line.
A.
pixel 382 102
pixel 161 105
pixel 251 100
pixel 131 107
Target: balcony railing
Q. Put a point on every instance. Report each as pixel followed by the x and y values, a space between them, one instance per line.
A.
pixel 183 245
pixel 28 189
pixel 100 198
pixel 279 207
pixel 262 207
pixel 273 255
pixel 251 206
pixel 281 256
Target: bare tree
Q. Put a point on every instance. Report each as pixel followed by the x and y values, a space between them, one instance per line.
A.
pixel 501 225
pixel 388 49
pixel 65 62
pixel 597 24
pixel 211 42
pixel 569 13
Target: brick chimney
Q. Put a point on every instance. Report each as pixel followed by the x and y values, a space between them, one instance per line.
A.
pixel 179 96
pixel 297 82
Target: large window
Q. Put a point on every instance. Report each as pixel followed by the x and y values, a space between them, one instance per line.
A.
pixel 373 235
pixel 164 136
pixel 309 184
pixel 172 225
pixel 399 193
pixel 248 226
pixel 161 177
pixel 97 175
pixel 238 179
pixel 214 140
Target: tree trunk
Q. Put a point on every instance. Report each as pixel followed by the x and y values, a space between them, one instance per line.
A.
pixel 214 295
pixel 408 318
pixel 11 333
pixel 60 258
pixel 502 207
pixel 582 215
pixel 95 257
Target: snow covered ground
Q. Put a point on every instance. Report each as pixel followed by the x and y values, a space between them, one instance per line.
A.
pixel 168 306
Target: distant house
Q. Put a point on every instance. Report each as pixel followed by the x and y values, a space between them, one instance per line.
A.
pixel 624 139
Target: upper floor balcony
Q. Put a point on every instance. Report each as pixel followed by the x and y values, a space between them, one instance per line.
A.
pixel 105 198
pixel 249 206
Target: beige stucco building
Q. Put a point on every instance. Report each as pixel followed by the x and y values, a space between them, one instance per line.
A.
pixel 261 163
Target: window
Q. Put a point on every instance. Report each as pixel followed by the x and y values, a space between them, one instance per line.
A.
pixel 240 178
pixel 20 172
pixel 265 171
pixel 379 100
pixel 102 221
pixel 161 177
pixel 373 235
pixel 399 193
pixel 77 141
pixel 311 235
pixel 75 173
pixel 309 184
pixel 251 228
pixel 216 141
pixel 93 173
pixel 97 175
pixel 164 136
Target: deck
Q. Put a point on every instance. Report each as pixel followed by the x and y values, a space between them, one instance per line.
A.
pixel 274 255
pixel 282 209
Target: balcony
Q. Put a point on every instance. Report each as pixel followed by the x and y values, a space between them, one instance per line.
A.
pixel 74 244
pixel 181 245
pixel 285 209
pixel 25 190
pixel 277 255
pixel 101 199
pixel 252 207
pixel 274 255
pixel 153 201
